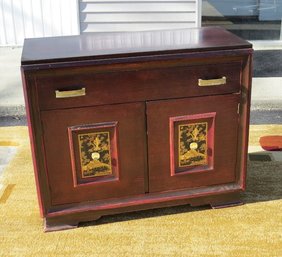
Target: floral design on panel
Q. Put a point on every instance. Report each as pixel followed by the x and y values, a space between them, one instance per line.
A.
pixel 192 144
pixel 95 154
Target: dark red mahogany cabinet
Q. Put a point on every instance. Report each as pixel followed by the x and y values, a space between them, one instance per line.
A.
pixel 130 121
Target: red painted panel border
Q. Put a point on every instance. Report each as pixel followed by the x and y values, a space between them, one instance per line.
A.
pixel 195 118
pixel 73 133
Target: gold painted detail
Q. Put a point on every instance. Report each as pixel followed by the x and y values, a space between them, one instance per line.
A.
pixel 95 154
pixel 192 144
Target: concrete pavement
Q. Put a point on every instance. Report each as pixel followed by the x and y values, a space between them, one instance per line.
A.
pixel 6 154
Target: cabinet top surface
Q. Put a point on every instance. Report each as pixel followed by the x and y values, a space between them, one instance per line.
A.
pixel 91 46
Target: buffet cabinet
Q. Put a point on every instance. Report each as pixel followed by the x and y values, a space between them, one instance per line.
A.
pixel 130 121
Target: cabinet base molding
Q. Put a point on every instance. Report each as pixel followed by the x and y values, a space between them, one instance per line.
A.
pixel 227 204
pixel 62 219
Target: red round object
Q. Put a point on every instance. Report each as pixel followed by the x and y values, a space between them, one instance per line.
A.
pixel 271 143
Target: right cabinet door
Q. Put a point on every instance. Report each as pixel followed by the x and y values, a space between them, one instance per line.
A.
pixel 192 142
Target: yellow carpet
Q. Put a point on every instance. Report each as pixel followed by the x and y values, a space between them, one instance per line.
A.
pixel 253 229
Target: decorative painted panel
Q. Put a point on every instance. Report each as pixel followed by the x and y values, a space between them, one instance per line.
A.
pixel 192 143
pixel 94 152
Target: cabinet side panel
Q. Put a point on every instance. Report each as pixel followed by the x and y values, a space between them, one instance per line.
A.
pixel 34 128
pixel 244 121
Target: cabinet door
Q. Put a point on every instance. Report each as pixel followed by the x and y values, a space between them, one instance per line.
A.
pixel 192 142
pixel 95 153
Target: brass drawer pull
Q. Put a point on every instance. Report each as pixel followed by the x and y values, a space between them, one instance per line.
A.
pixel 70 93
pixel 211 82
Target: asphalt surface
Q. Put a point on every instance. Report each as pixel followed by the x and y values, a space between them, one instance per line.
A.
pixel 267 63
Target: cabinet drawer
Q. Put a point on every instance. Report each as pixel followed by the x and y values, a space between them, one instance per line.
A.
pixel 85 87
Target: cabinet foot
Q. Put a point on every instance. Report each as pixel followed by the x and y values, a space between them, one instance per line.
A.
pixel 57 224
pixel 50 226
pixel 226 205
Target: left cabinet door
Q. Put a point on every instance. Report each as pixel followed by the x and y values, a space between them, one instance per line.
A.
pixel 95 153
